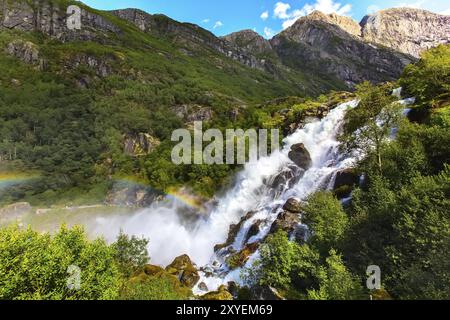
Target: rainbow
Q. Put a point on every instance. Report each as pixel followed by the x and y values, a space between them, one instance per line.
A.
pixel 8 179
pixel 172 194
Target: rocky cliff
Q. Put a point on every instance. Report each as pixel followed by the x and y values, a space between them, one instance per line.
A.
pixel 324 49
pixel 320 43
pixel 250 41
pixel 51 19
pixel 406 30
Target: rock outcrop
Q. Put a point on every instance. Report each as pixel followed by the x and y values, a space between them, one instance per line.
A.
pixel 250 41
pixel 345 23
pixel 26 51
pixel 406 30
pixel 140 144
pixel 184 269
pixel 50 18
pixel 326 48
pixel 221 294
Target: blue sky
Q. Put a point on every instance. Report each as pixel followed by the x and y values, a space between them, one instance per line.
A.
pixel 267 17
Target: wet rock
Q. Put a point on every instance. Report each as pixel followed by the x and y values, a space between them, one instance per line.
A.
pixel 287 178
pixel 254 230
pixel 184 269
pixel 233 288
pixel 140 144
pixel 234 230
pixel 286 221
pixel 344 183
pixel 300 156
pixel 239 259
pixel 202 286
pixel 293 205
pixel 221 294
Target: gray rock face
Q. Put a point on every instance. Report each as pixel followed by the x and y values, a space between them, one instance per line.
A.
pixel 250 41
pixel 140 144
pixel 191 113
pixel 327 49
pixel 407 30
pixel 49 18
pixel 26 51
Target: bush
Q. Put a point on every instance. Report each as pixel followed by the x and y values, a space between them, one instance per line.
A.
pixel 35 266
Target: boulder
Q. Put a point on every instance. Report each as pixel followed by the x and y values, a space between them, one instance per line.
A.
pixel 254 230
pixel 234 230
pixel 239 259
pixel 184 269
pixel 347 177
pixel 152 270
pixel 344 183
pixel 202 286
pixel 287 178
pixel 300 156
pixel 221 294
pixel 293 205
pixel 286 221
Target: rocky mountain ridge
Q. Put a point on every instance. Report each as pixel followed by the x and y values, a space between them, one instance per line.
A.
pixel 334 47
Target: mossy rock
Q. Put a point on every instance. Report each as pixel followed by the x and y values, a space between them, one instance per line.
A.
pixel 152 270
pixel 183 268
pixel 221 294
pixel 381 294
pixel 239 259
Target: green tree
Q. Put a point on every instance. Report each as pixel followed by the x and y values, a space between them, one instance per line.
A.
pixel 131 253
pixel 368 125
pixel 327 220
pixel 35 266
pixel 336 282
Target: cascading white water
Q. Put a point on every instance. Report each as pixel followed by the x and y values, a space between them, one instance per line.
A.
pixel 170 235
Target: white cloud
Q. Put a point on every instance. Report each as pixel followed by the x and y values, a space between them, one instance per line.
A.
pixel 206 20
pixel 269 33
pixel 372 9
pixel 283 10
pixel 446 12
pixel 265 15
pixel 218 24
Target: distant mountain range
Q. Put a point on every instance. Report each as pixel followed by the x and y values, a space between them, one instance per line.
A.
pixel 317 53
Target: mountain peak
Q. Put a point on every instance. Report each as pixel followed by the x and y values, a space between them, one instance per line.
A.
pixel 408 30
pixel 249 40
pixel 345 23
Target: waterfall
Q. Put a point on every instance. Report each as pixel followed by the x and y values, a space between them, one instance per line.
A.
pixel 171 235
